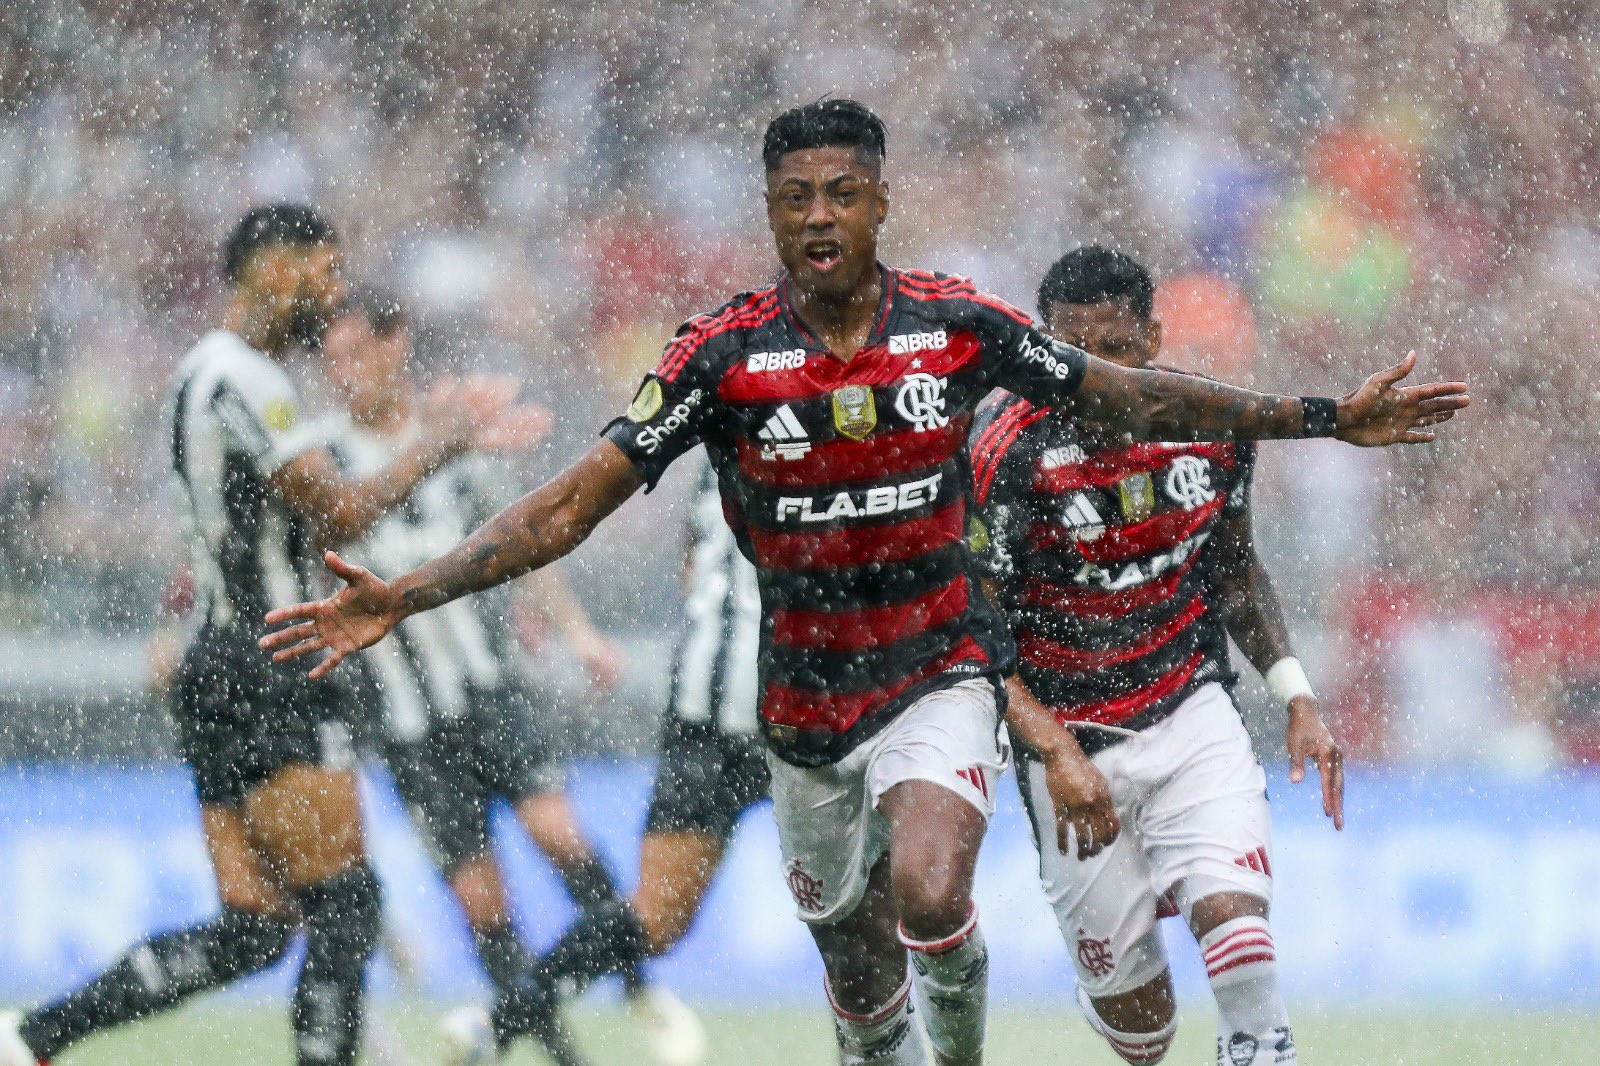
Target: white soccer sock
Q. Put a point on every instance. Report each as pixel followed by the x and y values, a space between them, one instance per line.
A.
pixel 952 982
pixel 1252 1023
pixel 1141 1048
pixel 885 1036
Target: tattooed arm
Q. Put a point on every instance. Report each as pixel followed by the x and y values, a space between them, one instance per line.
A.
pixel 1153 405
pixel 533 532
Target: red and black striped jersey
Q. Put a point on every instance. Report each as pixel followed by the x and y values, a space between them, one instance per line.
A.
pixel 847 485
pixel 1097 544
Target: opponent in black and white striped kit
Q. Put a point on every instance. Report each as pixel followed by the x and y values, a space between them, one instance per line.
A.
pixel 712 762
pixel 458 717
pixel 234 421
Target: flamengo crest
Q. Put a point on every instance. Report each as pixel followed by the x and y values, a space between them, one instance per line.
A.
pixel 921 402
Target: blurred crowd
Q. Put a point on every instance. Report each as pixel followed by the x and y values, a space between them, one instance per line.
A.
pixel 554 187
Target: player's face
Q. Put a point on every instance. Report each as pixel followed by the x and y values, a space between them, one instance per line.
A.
pixel 824 206
pixel 1109 330
pixel 318 290
pixel 366 369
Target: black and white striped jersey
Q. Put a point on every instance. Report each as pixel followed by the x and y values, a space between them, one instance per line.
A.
pixel 437 659
pixel 714 679
pixel 233 420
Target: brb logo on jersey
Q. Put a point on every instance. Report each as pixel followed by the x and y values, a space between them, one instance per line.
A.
pixel 912 343
pixel 1189 482
pixel 1066 455
pixel 790 360
pixel 921 402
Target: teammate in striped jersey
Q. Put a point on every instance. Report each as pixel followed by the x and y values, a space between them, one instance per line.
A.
pixel 459 725
pixel 271 751
pixel 880 656
pixel 1121 568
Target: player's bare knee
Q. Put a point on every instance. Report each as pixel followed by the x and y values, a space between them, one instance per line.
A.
pixel 1218 908
pixel 663 926
pixel 1147 1009
pixel 252 897
pixel 476 885
pixel 933 904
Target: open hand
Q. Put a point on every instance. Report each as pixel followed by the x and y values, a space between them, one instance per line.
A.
pixel 515 429
pixel 357 616
pixel 1382 411
pixel 457 410
pixel 1083 805
pixel 1310 739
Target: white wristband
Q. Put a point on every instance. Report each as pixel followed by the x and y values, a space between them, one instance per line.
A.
pixel 1287 679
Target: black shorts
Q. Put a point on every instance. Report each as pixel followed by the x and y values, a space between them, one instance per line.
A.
pixel 453 774
pixel 705 779
pixel 241 717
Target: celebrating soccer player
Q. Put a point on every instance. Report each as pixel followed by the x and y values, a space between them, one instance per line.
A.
pixel 270 750
pixel 834 405
pixel 1121 568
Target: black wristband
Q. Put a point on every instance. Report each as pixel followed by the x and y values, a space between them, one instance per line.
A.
pixel 1319 416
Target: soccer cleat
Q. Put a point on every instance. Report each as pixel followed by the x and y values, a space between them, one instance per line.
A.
pixel 468 1038
pixel 676 1035
pixel 533 1008
pixel 13 1052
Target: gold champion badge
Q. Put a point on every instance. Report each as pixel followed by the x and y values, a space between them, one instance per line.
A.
pixel 855 411
pixel 647 402
pixel 1138 492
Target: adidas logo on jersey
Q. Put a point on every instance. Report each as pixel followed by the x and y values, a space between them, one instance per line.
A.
pixel 790 360
pixel 909 343
pixel 1066 455
pixel 1082 518
pixel 783 435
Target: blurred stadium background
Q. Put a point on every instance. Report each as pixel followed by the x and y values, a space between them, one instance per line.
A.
pixel 554 187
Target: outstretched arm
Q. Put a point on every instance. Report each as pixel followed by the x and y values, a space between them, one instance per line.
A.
pixel 455 416
pixel 533 532
pixel 1154 405
pixel 1249 606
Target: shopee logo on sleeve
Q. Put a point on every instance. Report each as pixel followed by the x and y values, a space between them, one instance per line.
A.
pixel 1044 354
pixel 650 437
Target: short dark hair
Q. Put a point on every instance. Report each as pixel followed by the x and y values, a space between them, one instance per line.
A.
pixel 382 309
pixel 270 224
pixel 1093 274
pixel 825 124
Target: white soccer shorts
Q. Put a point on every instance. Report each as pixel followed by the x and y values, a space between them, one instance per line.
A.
pixel 828 822
pixel 1192 800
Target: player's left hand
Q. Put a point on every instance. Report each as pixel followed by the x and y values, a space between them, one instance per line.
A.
pixel 600 656
pixel 1382 411
pixel 1310 739
pixel 516 429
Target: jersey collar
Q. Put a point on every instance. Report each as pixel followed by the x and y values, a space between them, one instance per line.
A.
pixel 888 283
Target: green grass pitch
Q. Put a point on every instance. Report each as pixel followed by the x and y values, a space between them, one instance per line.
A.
pixel 224 1036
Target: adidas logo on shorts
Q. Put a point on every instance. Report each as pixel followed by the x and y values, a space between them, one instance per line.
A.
pixel 784 436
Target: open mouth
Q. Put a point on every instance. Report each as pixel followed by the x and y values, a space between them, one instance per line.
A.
pixel 824 255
